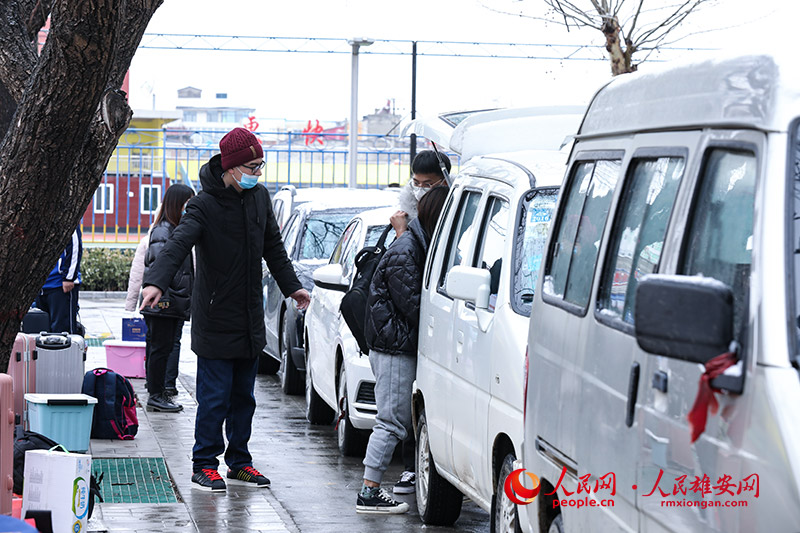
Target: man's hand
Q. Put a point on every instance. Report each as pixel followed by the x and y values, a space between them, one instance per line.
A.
pixel 302 298
pixel 399 222
pixel 67 286
pixel 150 296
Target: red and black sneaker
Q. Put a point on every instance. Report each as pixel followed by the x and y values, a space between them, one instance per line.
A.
pixel 208 479
pixel 247 476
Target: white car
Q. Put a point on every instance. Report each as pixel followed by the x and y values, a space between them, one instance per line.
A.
pixel 477 291
pixel 288 197
pixel 339 378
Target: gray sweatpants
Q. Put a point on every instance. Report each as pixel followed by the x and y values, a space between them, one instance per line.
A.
pixel 394 375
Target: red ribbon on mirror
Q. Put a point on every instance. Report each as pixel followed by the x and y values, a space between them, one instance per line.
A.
pixel 705 399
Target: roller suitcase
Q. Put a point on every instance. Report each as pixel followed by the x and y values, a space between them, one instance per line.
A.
pixel 6 443
pixel 35 321
pixel 60 361
pixel 19 368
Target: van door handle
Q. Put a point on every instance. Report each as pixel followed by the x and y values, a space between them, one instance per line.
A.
pixel 430 325
pixel 459 342
pixel 633 390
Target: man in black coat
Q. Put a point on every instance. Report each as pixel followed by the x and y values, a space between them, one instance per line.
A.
pixel 232 226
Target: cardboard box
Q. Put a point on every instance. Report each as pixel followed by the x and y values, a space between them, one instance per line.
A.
pixel 58 482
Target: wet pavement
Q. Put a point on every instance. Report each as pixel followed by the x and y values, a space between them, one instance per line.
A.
pixel 313 486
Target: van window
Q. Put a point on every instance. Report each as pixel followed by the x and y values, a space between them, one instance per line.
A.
pixel 638 235
pixel 489 252
pixel 460 235
pixel 794 243
pixel 437 235
pixel 719 240
pixel 529 246
pixel 573 253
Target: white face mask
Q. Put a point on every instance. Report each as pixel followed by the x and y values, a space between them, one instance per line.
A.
pixel 418 192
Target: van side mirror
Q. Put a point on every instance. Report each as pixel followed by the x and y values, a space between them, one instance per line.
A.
pixel 470 284
pixel 684 317
pixel 330 277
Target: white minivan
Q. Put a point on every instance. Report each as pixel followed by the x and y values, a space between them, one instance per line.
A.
pixel 672 259
pixel 477 291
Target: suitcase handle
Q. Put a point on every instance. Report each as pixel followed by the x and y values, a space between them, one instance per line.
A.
pixel 65 401
pixel 53 341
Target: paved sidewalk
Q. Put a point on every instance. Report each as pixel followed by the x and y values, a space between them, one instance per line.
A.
pixel 171 436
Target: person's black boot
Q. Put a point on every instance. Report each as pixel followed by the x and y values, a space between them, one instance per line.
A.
pixel 159 402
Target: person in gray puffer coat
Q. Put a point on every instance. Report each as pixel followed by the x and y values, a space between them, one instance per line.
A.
pixel 391 330
pixel 164 320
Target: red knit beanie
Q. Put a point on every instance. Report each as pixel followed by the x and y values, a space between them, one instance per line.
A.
pixel 239 146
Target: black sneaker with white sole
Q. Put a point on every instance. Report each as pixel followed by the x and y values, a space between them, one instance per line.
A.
pixel 378 501
pixel 407 483
pixel 248 476
pixel 208 479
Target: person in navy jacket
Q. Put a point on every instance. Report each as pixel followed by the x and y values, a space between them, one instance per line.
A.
pixel 59 295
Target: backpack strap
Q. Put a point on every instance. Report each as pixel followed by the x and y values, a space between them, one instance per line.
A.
pixel 382 239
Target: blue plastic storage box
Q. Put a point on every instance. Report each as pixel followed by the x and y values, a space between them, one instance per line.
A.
pixel 65 418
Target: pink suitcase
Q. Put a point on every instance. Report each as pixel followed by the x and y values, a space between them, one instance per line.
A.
pixel 19 368
pixel 6 443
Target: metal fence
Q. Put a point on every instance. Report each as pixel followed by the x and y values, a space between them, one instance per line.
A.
pixel 147 161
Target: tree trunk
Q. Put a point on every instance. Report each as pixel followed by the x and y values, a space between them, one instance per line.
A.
pixel 620 61
pixel 53 154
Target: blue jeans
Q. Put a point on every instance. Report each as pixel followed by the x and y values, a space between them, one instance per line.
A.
pixel 224 395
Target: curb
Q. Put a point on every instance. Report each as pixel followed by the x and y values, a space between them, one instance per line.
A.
pixel 103 295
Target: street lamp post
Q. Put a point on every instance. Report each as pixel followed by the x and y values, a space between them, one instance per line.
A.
pixel 352 152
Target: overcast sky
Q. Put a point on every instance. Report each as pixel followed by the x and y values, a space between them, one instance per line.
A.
pixel 317 86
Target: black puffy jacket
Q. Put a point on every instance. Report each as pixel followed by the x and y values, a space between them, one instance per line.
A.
pixel 176 300
pixel 231 232
pixel 392 324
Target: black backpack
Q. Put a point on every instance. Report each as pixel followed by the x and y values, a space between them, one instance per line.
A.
pixel 115 413
pixel 354 302
pixel 24 441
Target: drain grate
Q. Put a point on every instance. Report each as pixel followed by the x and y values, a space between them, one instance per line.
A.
pixel 135 480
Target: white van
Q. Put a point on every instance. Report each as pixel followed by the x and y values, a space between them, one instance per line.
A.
pixel 675 241
pixel 476 298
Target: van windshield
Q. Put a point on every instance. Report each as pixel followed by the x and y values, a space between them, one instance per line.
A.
pixel 530 240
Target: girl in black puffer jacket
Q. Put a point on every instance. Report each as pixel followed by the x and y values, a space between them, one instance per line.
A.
pixel 172 310
pixel 391 331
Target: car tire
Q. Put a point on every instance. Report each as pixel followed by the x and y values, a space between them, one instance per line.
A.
pixel 317 411
pixel 291 378
pixel 505 516
pixel 268 365
pixel 352 441
pixel 438 502
pixel 557 525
